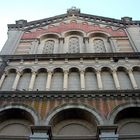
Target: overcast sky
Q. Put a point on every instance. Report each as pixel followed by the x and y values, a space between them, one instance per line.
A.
pixel 12 10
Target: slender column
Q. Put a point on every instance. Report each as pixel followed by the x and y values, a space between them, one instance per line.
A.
pixel 14 87
pixel 86 40
pixel 61 44
pixel 32 81
pixel 99 80
pixel 2 79
pixel 48 85
pixel 82 80
pixel 115 77
pixel 133 81
pixel 65 81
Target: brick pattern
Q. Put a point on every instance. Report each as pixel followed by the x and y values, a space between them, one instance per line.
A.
pixel 43 107
pixel 72 26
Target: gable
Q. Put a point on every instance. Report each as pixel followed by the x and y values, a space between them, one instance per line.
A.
pixel 74 24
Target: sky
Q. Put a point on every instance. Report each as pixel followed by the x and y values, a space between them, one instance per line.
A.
pixel 30 10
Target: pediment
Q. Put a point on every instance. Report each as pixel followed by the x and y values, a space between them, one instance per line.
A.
pixel 74 24
pixel 73 20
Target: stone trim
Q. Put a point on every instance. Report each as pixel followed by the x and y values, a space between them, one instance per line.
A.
pixel 95 114
pixel 87 17
pixel 106 94
pixel 114 56
pixel 24 107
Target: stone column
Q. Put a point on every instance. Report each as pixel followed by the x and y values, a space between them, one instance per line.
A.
pixel 99 80
pixel 107 133
pixel 82 79
pixel 48 85
pixel 65 81
pixel 40 133
pixel 133 81
pixel 14 87
pixel 2 79
pixel 116 81
pixel 32 81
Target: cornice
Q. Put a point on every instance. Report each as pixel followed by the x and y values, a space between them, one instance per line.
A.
pixel 114 56
pixel 24 25
pixel 95 94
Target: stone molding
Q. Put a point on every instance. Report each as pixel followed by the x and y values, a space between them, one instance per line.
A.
pixel 97 94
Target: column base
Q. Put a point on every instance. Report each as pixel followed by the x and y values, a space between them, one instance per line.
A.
pixel 41 133
pixel 107 132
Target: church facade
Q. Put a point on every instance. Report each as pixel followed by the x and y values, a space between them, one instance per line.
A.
pixel 71 76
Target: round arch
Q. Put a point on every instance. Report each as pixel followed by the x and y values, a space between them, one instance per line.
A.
pixel 28 109
pixel 111 117
pixel 95 114
pixel 73 32
pixel 49 35
pixel 99 33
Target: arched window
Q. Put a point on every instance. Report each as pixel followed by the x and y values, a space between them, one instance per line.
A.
pixel 107 79
pixel 24 80
pixel 73 122
pixel 74 45
pixel 74 79
pixel 8 82
pixel 57 80
pixel 15 122
pixel 48 47
pixel 41 80
pixel 90 79
pixel 128 120
pixel 136 72
pixel 98 45
pixel 124 79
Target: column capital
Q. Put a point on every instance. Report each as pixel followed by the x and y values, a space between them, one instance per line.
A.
pixel 50 71
pixel 66 71
pixel 129 70
pixel 19 73
pixel 5 73
pixel 61 39
pixel 82 71
pixel 34 72
pixel 114 70
pixel 98 70
pixel 86 38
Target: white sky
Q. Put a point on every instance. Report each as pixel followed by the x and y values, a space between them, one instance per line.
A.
pixel 12 10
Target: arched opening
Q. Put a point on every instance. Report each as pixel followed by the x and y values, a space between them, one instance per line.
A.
pixel 24 80
pixel 99 46
pixel 41 79
pixel 136 72
pixel 73 46
pixel 124 79
pixel 100 42
pixel 48 43
pixel 15 122
pixel 74 42
pixel 57 79
pixel 73 122
pixel 128 121
pixel 107 79
pixel 90 79
pixel 9 80
pixel 74 79
pixel 48 47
